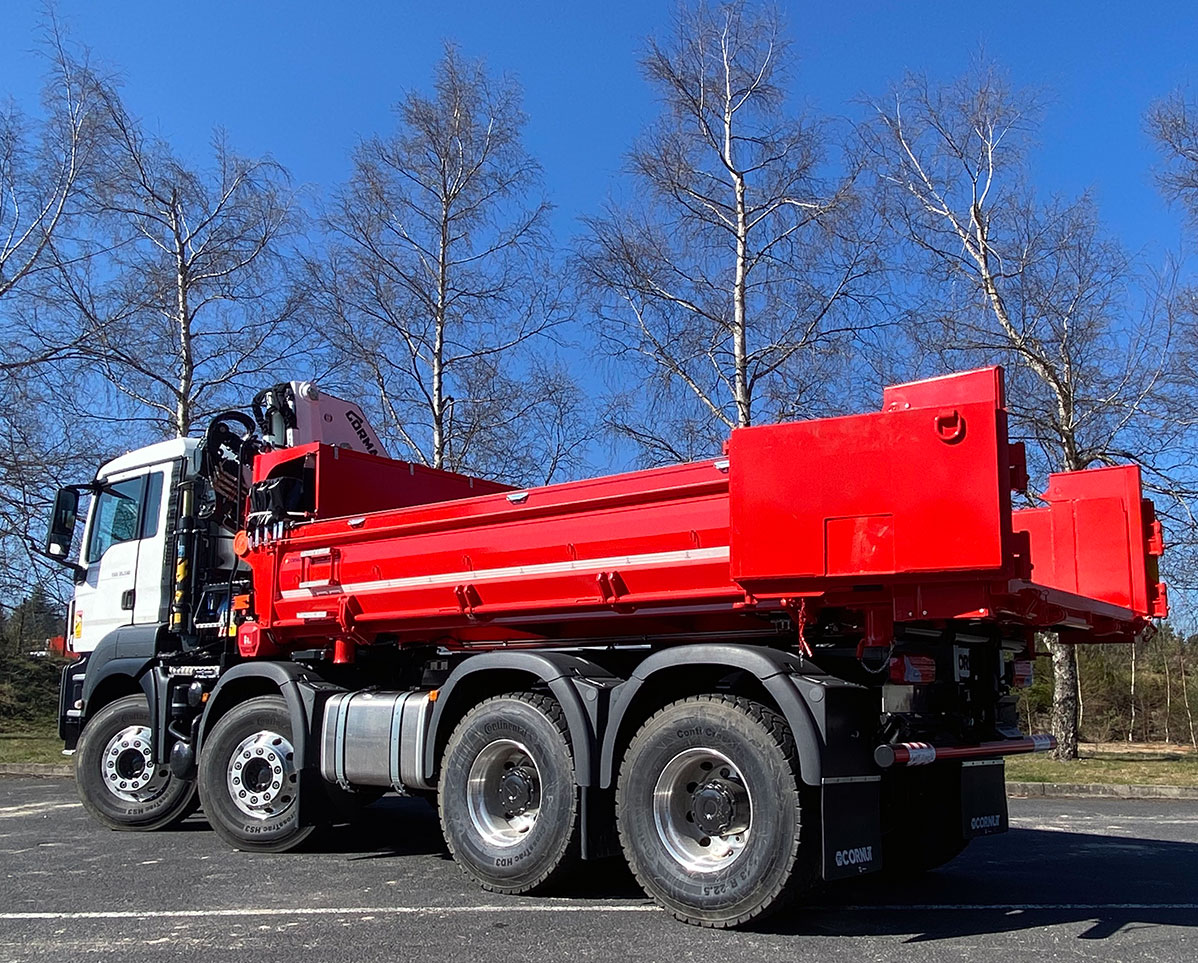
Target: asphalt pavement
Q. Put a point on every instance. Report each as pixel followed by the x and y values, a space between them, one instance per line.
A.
pixel 1102 879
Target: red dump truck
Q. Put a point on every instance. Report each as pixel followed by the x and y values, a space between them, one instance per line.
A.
pixel 795 661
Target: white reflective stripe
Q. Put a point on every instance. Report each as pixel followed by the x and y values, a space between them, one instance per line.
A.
pixel 921 754
pixel 842 780
pixel 1042 743
pixel 719 553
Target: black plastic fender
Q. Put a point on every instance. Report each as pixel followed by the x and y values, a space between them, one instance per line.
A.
pixel 126 651
pixel 800 690
pixel 300 689
pixel 580 687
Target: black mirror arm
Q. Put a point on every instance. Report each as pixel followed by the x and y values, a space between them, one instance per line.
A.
pixel 78 570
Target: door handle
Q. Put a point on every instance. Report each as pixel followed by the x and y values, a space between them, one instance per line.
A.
pixel 127 599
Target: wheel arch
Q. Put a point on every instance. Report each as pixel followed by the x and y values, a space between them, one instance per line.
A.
pixel 119 666
pixel 252 679
pixel 116 685
pixel 580 688
pixel 680 671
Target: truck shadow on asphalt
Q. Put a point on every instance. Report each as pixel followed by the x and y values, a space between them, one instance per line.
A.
pixel 1027 879
pixel 394 826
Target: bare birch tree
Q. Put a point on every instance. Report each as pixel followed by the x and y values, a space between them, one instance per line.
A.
pixel 1035 286
pixel 1173 124
pixel 180 285
pixel 725 289
pixel 48 161
pixel 437 282
pixel 45 165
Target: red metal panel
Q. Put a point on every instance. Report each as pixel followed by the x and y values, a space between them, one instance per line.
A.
pixel 1096 538
pixel 919 487
pixel 614 545
pixel 349 482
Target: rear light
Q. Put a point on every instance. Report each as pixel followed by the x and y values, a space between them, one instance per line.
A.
pixel 1022 673
pixel 912 669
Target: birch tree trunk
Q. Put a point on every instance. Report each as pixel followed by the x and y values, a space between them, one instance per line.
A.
pixel 1168 699
pixel 1131 727
pixel 729 289
pixel 1185 692
pixel 1064 699
pixel 438 280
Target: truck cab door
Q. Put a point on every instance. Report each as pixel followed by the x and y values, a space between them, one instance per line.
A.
pixel 151 589
pixel 123 512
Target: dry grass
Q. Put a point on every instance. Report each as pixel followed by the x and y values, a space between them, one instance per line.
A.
pixel 31 747
pixel 1141 764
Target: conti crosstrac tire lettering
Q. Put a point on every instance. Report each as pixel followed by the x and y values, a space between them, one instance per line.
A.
pixel 710 808
pixel 115 775
pixel 508 802
pixel 249 786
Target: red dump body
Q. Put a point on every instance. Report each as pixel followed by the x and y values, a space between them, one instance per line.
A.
pixel 903 515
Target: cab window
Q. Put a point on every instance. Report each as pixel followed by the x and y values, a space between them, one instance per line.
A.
pixel 149 518
pixel 117 512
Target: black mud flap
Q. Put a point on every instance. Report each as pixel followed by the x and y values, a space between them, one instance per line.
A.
pixel 852 826
pixel 983 798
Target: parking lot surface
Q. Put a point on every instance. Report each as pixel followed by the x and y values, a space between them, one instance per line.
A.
pixel 1098 879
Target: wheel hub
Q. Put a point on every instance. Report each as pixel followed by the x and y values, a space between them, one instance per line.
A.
pixel 702 810
pixel 503 792
pixel 129 770
pixel 515 791
pixel 261 775
pixel 714 808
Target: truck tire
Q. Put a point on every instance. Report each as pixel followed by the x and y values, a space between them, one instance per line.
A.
pixel 709 808
pixel 921 820
pixel 507 799
pixel 116 777
pixel 248 781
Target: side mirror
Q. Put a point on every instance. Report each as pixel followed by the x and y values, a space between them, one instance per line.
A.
pixel 62 524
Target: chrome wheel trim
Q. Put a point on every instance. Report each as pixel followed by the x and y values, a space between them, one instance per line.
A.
pixel 702 810
pixel 261 775
pixel 503 793
pixel 128 769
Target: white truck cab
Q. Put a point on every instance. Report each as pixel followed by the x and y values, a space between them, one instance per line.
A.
pixel 123 575
pixel 133 565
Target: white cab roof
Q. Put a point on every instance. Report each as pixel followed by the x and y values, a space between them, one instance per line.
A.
pixel 152 455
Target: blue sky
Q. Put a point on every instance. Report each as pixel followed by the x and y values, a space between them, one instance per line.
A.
pixel 304 80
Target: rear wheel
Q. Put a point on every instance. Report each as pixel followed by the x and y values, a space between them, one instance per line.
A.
pixel 116 776
pixel 248 779
pixel 709 808
pixel 507 798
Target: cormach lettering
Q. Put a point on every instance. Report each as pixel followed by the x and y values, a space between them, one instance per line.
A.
pixel 359 428
pixel 855 857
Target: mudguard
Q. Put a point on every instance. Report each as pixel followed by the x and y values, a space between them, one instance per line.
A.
pixel 303 691
pixel 126 651
pixel 829 718
pixel 580 687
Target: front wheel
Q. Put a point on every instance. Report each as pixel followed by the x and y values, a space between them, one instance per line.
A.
pixel 709 808
pixel 116 776
pixel 507 799
pixel 248 779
